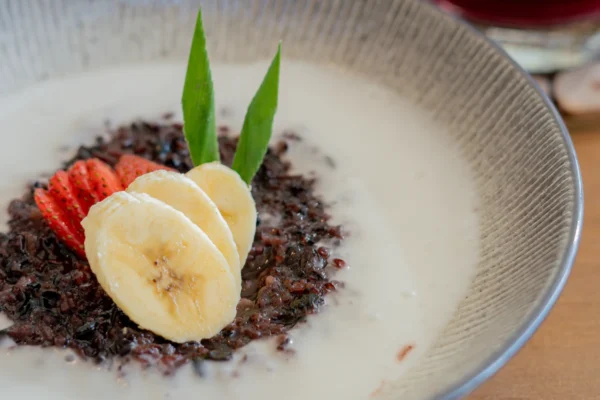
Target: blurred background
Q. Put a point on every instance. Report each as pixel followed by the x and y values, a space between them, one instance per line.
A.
pixel 558 42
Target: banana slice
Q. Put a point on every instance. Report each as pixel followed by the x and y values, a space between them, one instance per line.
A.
pixel 234 200
pixel 184 195
pixel 160 268
pixel 93 220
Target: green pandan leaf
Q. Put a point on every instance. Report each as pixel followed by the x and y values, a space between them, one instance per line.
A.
pixel 198 102
pixel 258 124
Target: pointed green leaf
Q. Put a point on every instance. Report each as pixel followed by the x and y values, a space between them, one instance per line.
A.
pixel 198 102
pixel 258 124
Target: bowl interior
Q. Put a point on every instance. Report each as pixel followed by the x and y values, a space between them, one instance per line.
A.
pixel 525 172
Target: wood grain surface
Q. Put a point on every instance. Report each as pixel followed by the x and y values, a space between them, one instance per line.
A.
pixel 562 360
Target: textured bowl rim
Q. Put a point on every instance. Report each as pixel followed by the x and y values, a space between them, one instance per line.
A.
pixel 501 356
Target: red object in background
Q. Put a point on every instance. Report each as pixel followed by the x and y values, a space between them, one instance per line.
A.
pixel 523 13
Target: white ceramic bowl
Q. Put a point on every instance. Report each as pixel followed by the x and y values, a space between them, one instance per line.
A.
pixel 523 160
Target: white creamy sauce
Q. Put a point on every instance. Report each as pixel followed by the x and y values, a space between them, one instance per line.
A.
pixel 399 187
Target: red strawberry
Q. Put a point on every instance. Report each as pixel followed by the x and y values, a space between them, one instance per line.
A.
pixel 59 221
pixel 103 179
pixel 72 193
pixel 63 192
pixel 130 167
pixel 79 177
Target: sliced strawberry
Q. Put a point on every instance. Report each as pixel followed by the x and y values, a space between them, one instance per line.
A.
pixel 103 179
pixel 79 177
pixel 59 221
pixel 130 167
pixel 63 192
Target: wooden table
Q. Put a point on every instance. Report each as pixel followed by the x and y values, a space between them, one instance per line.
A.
pixel 562 360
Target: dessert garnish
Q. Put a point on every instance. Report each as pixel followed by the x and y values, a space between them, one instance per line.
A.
pixel 159 267
pixel 71 193
pixel 130 167
pixel 167 247
pixel 199 112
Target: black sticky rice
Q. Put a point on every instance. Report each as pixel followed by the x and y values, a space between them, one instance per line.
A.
pixel 54 299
